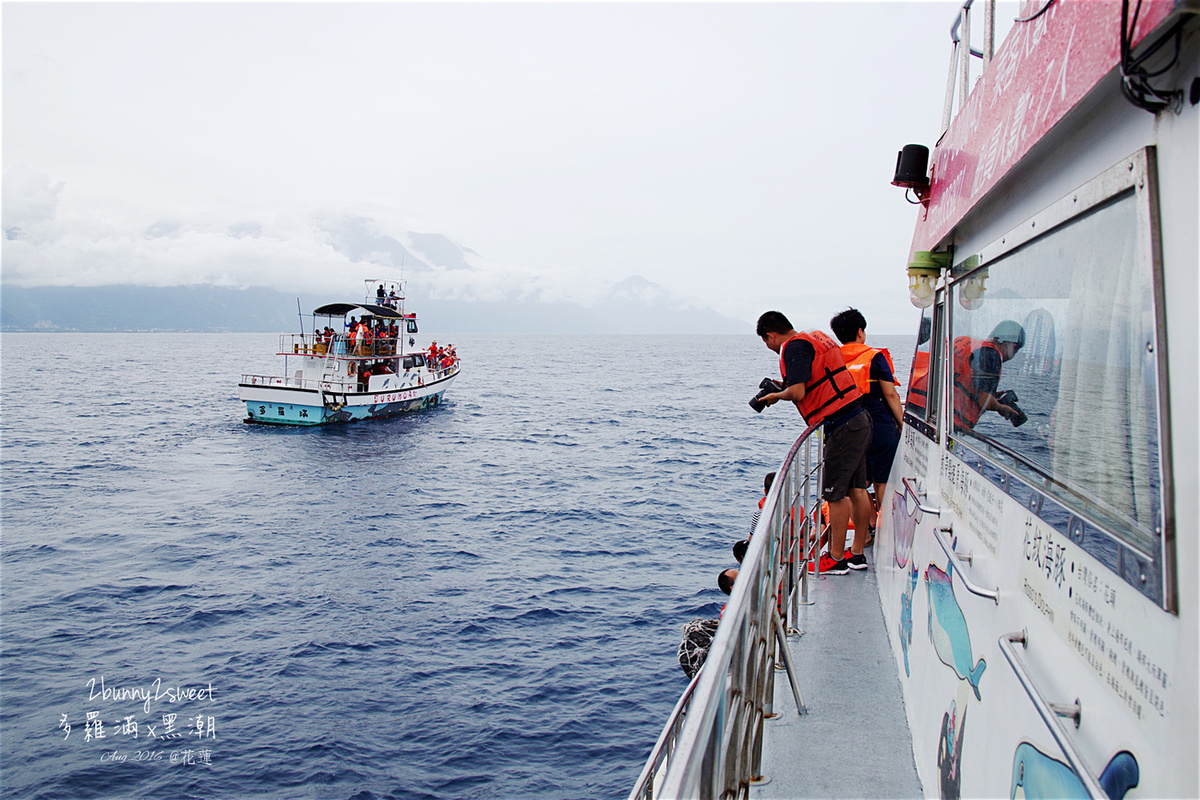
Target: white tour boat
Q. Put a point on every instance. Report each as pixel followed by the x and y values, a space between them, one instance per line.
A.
pixel 358 363
pixel 1030 624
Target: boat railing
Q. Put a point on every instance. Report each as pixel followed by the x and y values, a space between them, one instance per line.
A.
pixel 711 746
pixel 340 345
pixel 960 58
pixel 341 385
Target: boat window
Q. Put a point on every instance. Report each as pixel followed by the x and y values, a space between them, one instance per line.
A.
pixel 411 325
pixel 1055 365
pixel 921 404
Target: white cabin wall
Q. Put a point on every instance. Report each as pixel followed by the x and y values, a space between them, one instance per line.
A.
pixel 1103 131
pixel 1178 139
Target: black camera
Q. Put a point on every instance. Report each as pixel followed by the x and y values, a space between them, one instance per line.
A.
pixel 767 386
pixel 1009 398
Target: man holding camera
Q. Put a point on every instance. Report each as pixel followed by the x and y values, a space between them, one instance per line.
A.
pixel 977 375
pixel 815 378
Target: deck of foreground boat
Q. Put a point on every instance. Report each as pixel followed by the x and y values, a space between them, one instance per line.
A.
pixel 847 677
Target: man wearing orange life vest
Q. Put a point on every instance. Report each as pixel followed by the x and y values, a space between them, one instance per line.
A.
pixel 977 366
pixel 815 378
pixel 874 375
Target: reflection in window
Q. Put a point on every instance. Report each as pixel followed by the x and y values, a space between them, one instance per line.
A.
pixel 920 402
pixel 1055 364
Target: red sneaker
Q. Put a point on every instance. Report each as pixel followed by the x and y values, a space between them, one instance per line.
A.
pixel 827 565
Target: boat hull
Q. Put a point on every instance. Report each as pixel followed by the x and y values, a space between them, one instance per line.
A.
pixel 284 405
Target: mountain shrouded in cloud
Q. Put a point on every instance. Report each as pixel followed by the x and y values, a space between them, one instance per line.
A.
pixel 51 243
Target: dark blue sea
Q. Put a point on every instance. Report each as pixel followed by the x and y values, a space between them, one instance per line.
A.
pixel 482 600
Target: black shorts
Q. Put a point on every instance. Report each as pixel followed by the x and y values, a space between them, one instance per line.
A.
pixel 846 457
pixel 885 439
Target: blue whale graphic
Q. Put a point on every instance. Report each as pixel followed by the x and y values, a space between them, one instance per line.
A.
pixel 1040 776
pixel 948 629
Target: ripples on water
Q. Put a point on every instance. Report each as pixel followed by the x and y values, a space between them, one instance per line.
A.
pixel 482 600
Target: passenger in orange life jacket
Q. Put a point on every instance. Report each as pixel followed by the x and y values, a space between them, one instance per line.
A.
pixel 875 377
pixel 815 378
pixel 977 365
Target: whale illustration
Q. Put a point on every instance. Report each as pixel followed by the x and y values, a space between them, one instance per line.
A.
pixel 905 527
pixel 1037 775
pixel 948 629
pixel 906 602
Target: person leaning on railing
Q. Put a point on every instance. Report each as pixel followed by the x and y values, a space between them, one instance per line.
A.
pixel 815 378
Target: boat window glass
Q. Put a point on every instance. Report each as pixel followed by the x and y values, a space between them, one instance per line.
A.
pixel 411 325
pixel 1054 356
pixel 921 403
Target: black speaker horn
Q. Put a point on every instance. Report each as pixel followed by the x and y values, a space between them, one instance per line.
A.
pixel 911 165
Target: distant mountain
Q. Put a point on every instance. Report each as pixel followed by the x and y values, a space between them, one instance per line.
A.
pixel 633 306
pixel 454 289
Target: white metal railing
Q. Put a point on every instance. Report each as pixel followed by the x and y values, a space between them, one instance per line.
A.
pixel 960 58
pixel 340 345
pixel 340 386
pixel 711 746
pixel 422 376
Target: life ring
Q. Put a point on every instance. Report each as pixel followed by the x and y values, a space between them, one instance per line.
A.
pixel 351 368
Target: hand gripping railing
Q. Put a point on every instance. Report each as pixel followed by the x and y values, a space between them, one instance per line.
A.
pixel 711 746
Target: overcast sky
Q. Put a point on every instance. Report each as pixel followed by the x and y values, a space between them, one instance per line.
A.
pixel 737 154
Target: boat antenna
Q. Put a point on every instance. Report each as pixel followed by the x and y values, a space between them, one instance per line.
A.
pixel 300 314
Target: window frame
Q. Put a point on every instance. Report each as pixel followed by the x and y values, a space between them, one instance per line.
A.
pixel 1136 174
pixel 930 425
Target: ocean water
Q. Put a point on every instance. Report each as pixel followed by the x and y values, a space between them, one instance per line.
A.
pixel 482 600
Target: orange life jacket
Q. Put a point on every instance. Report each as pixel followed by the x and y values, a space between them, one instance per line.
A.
pixel 966 403
pixel 830 386
pixel 858 359
pixel 918 387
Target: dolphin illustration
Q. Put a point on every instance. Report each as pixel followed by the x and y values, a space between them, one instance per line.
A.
pixel 948 629
pixel 1038 775
pixel 904 526
pixel 906 601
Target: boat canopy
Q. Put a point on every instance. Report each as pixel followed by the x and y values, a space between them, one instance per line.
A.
pixel 341 309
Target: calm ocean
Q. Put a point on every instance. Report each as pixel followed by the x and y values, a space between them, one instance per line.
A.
pixel 479 601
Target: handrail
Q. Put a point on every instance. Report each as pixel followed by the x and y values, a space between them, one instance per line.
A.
pixel 1050 712
pixel 956 561
pixel 711 745
pixel 912 490
pixel 645 780
pixel 350 385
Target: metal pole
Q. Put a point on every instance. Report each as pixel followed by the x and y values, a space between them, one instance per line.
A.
pixel 948 105
pixel 781 637
pixel 964 85
pixel 989 31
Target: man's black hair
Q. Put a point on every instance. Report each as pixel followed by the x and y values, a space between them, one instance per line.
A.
pixel 725 582
pixel 739 551
pixel 847 324
pixel 767 481
pixel 772 322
